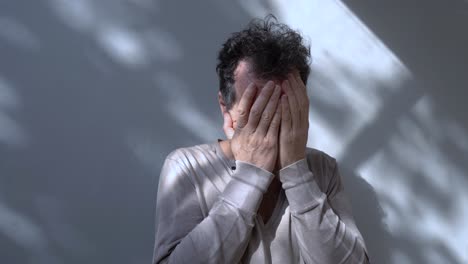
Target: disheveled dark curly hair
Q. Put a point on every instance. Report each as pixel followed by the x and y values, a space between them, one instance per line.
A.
pixel 272 48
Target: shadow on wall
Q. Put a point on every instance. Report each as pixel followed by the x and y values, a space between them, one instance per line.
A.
pixel 383 246
pixel 422 166
pixel 369 216
pixel 406 180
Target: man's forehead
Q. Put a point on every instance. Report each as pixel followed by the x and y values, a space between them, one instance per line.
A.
pixel 244 75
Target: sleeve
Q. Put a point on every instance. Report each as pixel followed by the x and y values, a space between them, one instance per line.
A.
pixel 184 236
pixel 323 224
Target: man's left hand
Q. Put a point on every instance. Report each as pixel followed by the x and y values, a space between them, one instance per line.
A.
pixel 294 121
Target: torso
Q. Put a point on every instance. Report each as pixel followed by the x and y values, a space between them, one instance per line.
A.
pixel 272 239
pixel 270 200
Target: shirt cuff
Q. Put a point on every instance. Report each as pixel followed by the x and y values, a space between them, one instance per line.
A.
pixel 300 187
pixel 247 186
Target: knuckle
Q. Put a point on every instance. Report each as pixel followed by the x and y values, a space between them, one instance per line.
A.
pixel 266 117
pixel 274 139
pixel 268 141
pixel 271 138
pixel 240 125
pixel 255 112
pixel 275 122
pixel 241 112
pixel 257 143
pixel 272 143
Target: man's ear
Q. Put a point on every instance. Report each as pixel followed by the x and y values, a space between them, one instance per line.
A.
pixel 228 125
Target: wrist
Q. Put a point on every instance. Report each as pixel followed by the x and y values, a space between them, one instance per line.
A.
pixel 253 164
pixel 291 161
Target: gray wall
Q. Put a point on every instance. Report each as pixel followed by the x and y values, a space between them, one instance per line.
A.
pixel 94 94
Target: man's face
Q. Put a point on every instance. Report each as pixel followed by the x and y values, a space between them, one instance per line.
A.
pixel 243 76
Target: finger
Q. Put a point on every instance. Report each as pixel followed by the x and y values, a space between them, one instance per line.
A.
pixel 297 77
pixel 259 105
pixel 269 112
pixel 303 98
pixel 292 102
pixel 228 126
pixel 299 90
pixel 275 123
pixel 245 104
pixel 286 121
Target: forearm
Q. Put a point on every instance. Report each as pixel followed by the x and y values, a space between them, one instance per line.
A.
pixel 219 238
pixel 323 237
pixel 222 237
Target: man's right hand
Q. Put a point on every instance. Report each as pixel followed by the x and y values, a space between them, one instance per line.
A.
pixel 255 138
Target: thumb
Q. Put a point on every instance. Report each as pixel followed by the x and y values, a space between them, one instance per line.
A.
pixel 228 126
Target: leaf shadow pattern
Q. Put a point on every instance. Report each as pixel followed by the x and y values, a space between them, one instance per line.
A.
pixel 369 216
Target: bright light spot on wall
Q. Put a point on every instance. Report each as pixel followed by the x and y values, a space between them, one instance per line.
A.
pixel 123 45
pixel 351 69
pixel 78 14
pixel 19 229
pixel 180 107
pixel 129 45
pixel 10 132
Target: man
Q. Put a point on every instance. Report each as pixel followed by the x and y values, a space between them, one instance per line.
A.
pixel 261 196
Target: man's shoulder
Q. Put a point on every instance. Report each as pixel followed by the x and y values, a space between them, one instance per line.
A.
pixel 182 154
pixel 199 164
pixel 318 159
pixel 323 166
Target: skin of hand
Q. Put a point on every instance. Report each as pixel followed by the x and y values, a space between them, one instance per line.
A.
pixel 255 138
pixel 293 133
pixel 294 121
